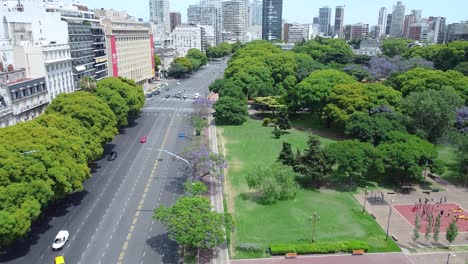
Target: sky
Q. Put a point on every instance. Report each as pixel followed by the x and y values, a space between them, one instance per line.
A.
pixel 303 11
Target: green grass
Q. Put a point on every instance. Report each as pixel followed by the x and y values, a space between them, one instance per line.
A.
pixel 252 145
pixel 447 156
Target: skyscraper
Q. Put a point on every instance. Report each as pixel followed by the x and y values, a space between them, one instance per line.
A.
pixel 398 17
pixel 176 20
pixel 234 18
pixel 255 13
pixel 382 21
pixel 339 20
pixel 325 20
pixel 389 23
pixel 207 13
pixel 159 15
pixel 272 19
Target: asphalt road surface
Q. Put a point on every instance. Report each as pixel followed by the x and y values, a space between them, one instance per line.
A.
pixel 110 221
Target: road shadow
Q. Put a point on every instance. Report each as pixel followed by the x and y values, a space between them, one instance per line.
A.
pixel 162 245
pixel 176 185
pixel 41 225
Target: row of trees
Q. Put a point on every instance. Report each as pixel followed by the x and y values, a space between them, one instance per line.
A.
pixel 193 61
pixel 43 160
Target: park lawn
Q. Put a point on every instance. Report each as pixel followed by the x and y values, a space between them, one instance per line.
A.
pixel 447 156
pixel 252 144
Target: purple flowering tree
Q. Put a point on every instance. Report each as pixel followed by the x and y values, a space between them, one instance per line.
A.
pixel 204 163
pixel 382 68
pixel 203 105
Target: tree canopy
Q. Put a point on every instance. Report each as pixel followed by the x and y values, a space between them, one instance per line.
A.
pixel 230 111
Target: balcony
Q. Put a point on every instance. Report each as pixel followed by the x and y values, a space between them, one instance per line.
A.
pixel 31 107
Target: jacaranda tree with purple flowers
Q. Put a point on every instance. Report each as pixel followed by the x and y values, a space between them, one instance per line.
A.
pixel 203 162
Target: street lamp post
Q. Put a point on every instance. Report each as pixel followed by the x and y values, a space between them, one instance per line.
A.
pixel 448 257
pixel 389 215
pixel 315 217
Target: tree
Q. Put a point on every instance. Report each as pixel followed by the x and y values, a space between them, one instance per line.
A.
pixel 180 67
pixel 157 61
pixel 199 123
pixel 313 162
pixel 447 58
pixel 354 159
pixel 417 226
pixel 435 236
pixel 405 156
pixel 459 141
pixel 392 47
pixel 431 112
pixel 230 111
pixel 273 182
pixel 286 156
pixel 314 90
pixel 117 104
pixel 359 72
pixel 87 84
pixel 276 132
pixel 305 66
pixel 196 188
pixel 203 162
pixel 452 232
pixel 91 111
pixel 198 55
pixel 427 234
pixel 373 128
pixel 283 120
pixel 192 223
pixel 462 67
pixel 419 80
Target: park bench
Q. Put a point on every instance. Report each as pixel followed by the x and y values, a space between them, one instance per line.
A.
pixel 291 255
pixel 358 252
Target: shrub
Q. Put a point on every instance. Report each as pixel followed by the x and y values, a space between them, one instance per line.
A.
pixel 318 248
pixel 266 121
pixel 249 248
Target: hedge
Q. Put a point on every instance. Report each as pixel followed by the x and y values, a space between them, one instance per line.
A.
pixel 318 248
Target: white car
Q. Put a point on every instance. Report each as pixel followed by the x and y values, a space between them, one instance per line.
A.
pixel 196 96
pixel 60 239
pixel 178 83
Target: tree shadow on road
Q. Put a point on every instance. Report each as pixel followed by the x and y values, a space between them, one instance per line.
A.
pixel 58 209
pixel 162 245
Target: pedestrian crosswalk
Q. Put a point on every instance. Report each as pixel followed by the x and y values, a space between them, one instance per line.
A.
pixel 168 109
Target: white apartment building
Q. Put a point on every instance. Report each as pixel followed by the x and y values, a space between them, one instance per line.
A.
pixel 52 61
pixel 234 18
pixel 186 37
pixel 130 49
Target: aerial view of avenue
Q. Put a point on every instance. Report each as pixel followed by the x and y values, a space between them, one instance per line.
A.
pixel 233 131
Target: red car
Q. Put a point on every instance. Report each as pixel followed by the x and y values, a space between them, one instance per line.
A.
pixel 143 139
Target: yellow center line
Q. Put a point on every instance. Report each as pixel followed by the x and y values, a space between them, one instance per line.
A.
pixel 142 200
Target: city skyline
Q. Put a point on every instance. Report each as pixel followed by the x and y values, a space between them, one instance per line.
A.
pixel 294 11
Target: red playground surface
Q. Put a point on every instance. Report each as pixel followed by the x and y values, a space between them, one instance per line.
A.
pixel 451 212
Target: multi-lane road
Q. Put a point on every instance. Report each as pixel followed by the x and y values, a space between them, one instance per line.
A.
pixel 110 221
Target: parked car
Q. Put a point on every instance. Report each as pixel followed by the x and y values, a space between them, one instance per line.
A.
pixel 185 96
pixel 178 83
pixel 173 95
pixel 156 92
pixel 60 239
pixel 149 95
pixel 112 156
pixel 196 96
pixel 168 96
pixel 143 139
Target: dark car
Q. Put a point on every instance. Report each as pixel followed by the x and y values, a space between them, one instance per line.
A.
pixel 149 95
pixel 112 156
pixel 156 92
pixel 168 96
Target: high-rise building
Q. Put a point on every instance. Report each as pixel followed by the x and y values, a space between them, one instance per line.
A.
pixel 418 31
pixel 160 15
pixel 137 62
pixel 436 29
pixel 325 20
pixel 186 37
pixel 359 31
pixel 339 21
pixel 207 13
pixel 457 31
pixel 296 33
pixel 272 18
pixel 398 17
pixel 382 22
pixel 176 20
pixel 389 24
pixel 255 13
pixel 234 18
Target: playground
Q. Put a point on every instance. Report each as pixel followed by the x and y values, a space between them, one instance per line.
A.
pixel 449 212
